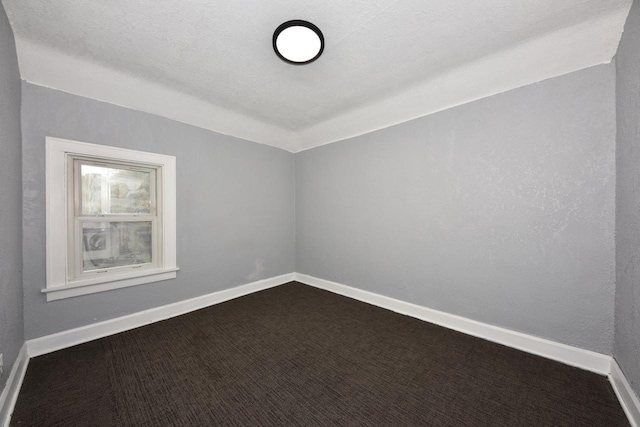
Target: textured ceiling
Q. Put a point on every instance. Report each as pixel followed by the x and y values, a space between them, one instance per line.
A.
pixel 210 62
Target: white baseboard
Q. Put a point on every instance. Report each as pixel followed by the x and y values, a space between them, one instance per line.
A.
pixel 9 395
pixel 584 359
pixel 628 399
pixel 60 340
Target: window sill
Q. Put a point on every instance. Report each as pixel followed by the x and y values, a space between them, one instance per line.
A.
pixel 78 288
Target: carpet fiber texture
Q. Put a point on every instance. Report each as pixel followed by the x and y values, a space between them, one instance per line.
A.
pixel 296 355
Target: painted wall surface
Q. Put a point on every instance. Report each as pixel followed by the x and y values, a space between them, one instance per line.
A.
pixel 501 210
pixel 235 207
pixel 11 323
pixel 627 309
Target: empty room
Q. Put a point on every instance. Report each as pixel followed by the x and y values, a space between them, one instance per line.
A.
pixel 320 213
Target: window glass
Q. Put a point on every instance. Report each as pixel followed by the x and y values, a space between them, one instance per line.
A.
pixel 116 244
pixel 110 190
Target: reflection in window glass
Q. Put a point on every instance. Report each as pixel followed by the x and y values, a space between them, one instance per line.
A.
pixel 108 190
pixel 115 244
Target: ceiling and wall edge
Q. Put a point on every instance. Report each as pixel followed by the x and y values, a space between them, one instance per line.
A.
pixel 551 55
pixel 50 68
pixel 531 62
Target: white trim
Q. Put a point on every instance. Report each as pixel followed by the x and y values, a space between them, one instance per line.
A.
pixel 580 358
pixel 9 395
pixel 115 282
pixel 57 154
pixel 60 340
pixel 628 399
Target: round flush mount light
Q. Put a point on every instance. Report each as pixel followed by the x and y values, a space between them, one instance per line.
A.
pixel 298 42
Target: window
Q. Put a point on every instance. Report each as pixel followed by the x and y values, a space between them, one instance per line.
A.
pixel 110 218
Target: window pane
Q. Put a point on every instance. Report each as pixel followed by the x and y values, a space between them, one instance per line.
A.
pixel 115 244
pixel 109 190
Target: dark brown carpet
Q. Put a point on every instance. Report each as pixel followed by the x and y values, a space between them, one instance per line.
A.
pixel 295 355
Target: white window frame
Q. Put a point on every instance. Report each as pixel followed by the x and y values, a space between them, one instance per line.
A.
pixel 61 283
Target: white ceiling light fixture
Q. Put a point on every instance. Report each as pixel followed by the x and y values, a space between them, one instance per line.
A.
pixel 298 42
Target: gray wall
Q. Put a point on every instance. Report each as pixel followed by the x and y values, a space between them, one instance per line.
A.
pixel 11 324
pixel 627 337
pixel 235 207
pixel 501 210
